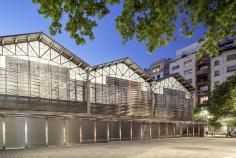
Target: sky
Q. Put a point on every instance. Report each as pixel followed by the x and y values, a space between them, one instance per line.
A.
pixel 19 17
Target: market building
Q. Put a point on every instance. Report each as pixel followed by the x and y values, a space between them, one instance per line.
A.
pixel 51 97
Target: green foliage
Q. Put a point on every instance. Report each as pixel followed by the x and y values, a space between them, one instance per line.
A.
pixel 214 122
pixel 232 122
pixel 149 21
pixel 200 114
pixel 222 101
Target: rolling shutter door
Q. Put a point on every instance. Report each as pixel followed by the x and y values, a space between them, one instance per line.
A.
pixel 101 128
pixel 15 132
pixel 87 130
pixel 36 132
pixel 72 131
pixel 114 130
pixel 155 130
pixel 55 132
pixel 146 130
pixel 171 129
pixel 162 129
pixel 136 130
pixel 125 130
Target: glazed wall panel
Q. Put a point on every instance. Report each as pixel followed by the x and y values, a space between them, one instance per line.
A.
pixel 72 131
pixel 15 132
pixel 55 132
pixel 36 132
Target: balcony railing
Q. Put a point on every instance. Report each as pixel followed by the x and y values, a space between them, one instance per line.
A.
pixel 202 71
pixel 202 91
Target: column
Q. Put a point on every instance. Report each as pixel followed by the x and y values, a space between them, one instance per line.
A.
pixel 131 131
pixel 120 129
pixel 81 132
pixel 46 131
pixel 174 129
pixel 108 132
pixel 159 130
pixel 193 129
pixel 64 131
pixel 26 133
pixel 88 95
pixel 95 131
pixel 198 129
pixel 166 130
pixel 187 129
pixel 141 130
pixel 150 130
pixel 3 133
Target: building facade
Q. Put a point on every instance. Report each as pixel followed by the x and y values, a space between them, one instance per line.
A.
pixel 159 69
pixel 203 74
pixel 51 97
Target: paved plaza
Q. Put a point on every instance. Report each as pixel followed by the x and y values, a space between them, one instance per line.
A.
pixel 164 148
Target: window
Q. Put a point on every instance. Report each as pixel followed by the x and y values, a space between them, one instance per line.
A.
pixel 217 62
pixel 203 99
pixel 175 67
pixel 204 89
pixel 158 76
pixel 231 57
pixel 231 68
pixel 188 62
pixel 217 82
pixel 188 72
pixel 156 69
pixel 217 73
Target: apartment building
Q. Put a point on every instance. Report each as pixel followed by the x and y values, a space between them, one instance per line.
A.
pixel 224 65
pixel 159 68
pixel 203 74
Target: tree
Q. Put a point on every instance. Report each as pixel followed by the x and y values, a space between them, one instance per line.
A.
pixel 149 21
pixel 222 101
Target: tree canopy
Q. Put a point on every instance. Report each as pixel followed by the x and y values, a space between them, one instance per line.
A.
pixel 150 21
pixel 222 101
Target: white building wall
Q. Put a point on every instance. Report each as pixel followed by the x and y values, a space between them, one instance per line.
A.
pixel 222 68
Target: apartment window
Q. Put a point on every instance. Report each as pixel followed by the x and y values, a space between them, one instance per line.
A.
pixel 203 99
pixel 188 62
pixel 217 82
pixel 217 62
pixel 156 69
pixel 231 57
pixel 217 73
pixel 175 67
pixel 188 72
pixel 231 68
pixel 204 89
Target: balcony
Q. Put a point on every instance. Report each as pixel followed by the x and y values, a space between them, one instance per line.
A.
pixel 202 92
pixel 202 82
pixel 202 71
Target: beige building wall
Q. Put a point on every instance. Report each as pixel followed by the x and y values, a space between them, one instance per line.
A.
pixel 222 67
pixel 184 66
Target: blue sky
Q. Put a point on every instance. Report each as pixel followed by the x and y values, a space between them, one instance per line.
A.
pixel 22 17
